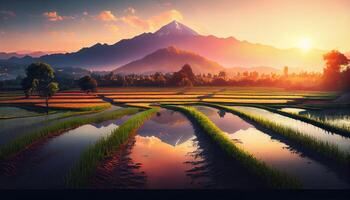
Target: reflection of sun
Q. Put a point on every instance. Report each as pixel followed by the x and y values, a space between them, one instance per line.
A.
pixel 305 44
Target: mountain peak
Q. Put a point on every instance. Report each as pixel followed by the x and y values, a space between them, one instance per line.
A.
pixel 175 28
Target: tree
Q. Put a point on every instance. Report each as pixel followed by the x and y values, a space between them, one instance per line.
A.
pixel 332 72
pixel 39 78
pixel 88 84
pixel 185 77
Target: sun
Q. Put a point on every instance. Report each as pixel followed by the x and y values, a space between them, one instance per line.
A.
pixel 305 44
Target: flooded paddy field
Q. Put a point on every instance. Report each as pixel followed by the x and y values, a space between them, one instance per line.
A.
pixel 343 143
pixel 274 152
pixel 168 153
pixel 169 150
pixel 46 165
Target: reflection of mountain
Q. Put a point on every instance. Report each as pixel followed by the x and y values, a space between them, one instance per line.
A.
pixel 109 122
pixel 225 121
pixel 171 118
pixel 170 127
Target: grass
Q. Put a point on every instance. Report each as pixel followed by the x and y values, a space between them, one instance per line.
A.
pixel 344 131
pixel 97 153
pixel 272 177
pixel 325 149
pixel 22 142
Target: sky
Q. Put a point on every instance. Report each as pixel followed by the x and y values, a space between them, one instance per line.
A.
pixel 69 25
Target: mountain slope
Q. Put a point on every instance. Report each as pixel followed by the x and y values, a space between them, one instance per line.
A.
pixel 170 59
pixel 226 51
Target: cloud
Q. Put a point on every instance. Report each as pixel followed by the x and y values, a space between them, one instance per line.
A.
pixel 106 15
pixel 154 21
pixel 112 27
pixel 6 14
pixel 54 16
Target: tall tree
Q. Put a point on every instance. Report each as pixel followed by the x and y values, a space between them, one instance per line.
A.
pixel 88 84
pixel 332 72
pixel 39 79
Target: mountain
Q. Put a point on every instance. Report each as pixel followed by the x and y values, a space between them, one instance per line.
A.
pixel 227 51
pixel 21 54
pixel 170 59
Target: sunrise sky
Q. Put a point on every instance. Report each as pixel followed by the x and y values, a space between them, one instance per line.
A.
pixel 62 25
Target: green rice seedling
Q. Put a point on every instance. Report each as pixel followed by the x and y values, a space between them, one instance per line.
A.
pixel 341 130
pixel 22 142
pixel 326 149
pixel 79 176
pixel 272 177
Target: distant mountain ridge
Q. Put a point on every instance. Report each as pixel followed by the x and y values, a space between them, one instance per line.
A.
pixel 226 51
pixel 21 54
pixel 168 60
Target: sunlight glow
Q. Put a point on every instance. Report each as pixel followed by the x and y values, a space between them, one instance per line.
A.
pixel 305 44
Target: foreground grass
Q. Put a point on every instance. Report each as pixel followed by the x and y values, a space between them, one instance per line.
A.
pixel 274 178
pixel 80 174
pixel 325 149
pixel 22 142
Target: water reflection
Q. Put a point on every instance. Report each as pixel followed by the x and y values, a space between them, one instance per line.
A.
pixel 293 110
pixel 160 158
pixel 274 152
pixel 47 165
pixel 308 129
pixel 336 117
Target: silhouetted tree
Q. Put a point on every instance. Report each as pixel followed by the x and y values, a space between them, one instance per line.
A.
pixel 39 78
pixel 87 84
pixel 332 72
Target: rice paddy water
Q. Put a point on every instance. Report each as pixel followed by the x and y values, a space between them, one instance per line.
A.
pixel 273 152
pixel 167 154
pixel 13 128
pixel 343 143
pixel 47 165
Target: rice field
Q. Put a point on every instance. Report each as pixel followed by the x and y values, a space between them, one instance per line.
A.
pixel 199 137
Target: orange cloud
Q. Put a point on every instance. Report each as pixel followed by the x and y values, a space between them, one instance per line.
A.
pixel 106 15
pixel 154 21
pixel 54 16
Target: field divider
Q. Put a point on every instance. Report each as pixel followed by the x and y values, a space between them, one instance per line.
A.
pixel 272 177
pixel 23 142
pixel 79 176
pixel 329 151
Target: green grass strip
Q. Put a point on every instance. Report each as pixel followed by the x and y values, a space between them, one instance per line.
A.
pixel 272 177
pixel 22 142
pixel 319 123
pixel 330 151
pixel 97 153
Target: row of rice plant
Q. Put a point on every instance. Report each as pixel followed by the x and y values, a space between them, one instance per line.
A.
pixel 22 142
pixel 324 124
pixel 325 149
pixel 97 153
pixel 272 177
